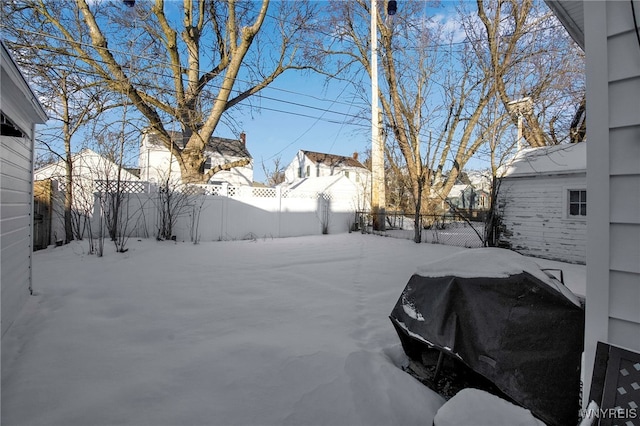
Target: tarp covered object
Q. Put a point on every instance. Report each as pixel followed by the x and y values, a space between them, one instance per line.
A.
pixel 498 313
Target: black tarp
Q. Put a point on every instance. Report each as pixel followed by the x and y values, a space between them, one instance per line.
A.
pixel 519 332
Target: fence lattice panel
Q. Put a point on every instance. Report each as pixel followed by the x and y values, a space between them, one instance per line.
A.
pixel 129 187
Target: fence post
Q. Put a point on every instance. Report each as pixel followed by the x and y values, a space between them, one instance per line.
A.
pixel 225 189
pixel 279 212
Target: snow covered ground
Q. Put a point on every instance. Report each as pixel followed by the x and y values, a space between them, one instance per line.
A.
pixel 275 331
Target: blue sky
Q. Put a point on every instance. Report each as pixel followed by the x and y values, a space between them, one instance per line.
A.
pixel 281 133
pixel 304 111
pixel 315 116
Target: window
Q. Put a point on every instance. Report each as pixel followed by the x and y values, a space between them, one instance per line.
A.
pixel 9 128
pixel 308 171
pixel 577 203
pixel 346 173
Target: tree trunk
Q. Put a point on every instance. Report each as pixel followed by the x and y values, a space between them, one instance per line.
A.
pixel 417 229
pixel 68 180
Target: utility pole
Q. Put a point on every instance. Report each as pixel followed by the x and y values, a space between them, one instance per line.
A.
pixel 520 107
pixel 378 198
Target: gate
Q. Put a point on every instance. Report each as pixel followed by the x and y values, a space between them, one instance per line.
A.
pixel 42 206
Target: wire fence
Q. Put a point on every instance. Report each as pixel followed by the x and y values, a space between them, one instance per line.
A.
pixel 454 229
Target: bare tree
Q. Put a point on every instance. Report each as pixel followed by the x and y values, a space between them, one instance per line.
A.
pixel 427 133
pixel 435 91
pixel 275 175
pixel 530 55
pixel 71 101
pixel 173 201
pixel 115 189
pixel 190 71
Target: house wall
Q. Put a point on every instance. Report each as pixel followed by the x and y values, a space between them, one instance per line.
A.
pixel 238 176
pixel 88 167
pixel 345 193
pixel 535 217
pixel 613 182
pixel 16 225
pixel 20 105
pixel 292 172
pixel 157 164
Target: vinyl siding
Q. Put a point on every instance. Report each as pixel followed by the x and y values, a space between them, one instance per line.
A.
pixel 623 64
pixel 15 225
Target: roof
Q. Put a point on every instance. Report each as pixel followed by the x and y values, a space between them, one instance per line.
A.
pixel 58 169
pixel 323 184
pixel 571 14
pixel 548 160
pixel 456 190
pixel 228 147
pixel 13 72
pixel 332 160
pixel 223 146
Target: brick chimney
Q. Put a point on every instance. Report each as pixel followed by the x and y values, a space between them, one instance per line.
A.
pixel 243 138
pixel 355 156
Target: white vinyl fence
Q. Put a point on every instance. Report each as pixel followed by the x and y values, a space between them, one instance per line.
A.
pixel 224 212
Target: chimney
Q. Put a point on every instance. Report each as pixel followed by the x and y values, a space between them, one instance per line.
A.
pixel 243 138
pixel 355 156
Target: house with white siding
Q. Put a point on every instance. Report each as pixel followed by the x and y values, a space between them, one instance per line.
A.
pixel 607 33
pixel 343 178
pixel 542 201
pixel 310 165
pixel 90 172
pixel 20 111
pixel 157 164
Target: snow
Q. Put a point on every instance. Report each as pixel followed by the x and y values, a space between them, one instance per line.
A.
pixel 409 308
pixel 491 263
pixel 479 408
pixel 565 158
pixel 272 331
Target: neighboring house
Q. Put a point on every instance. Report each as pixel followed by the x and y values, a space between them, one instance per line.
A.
pixel 20 111
pixel 606 31
pixel 345 194
pixel 91 172
pixel 480 179
pixel 542 202
pixel 157 164
pixel 309 164
pixel 345 178
pixel 467 197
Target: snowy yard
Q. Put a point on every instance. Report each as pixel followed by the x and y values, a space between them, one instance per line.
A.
pixel 275 331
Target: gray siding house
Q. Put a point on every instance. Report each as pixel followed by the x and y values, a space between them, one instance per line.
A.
pixel 543 203
pixel 606 31
pixel 20 112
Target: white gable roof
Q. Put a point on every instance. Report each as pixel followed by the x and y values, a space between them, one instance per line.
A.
pixel 90 160
pixel 456 190
pixel 548 160
pixel 323 184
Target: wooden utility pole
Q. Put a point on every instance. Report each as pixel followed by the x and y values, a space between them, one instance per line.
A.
pixel 377 149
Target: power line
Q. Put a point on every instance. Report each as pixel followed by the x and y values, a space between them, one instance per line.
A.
pixel 308 130
pixel 327 110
